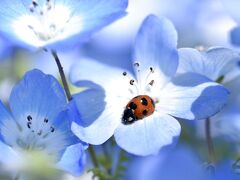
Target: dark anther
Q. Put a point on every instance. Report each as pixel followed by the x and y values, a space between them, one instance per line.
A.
pixel 46 120
pixel 52 129
pixel 151 83
pixel 145 112
pixel 136 64
pixel 124 73
pixel 144 101
pixel 35 4
pixel 39 133
pixel 29 125
pixel 131 82
pixel 29 118
pixel 151 69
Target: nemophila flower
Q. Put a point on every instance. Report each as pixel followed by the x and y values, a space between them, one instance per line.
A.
pixel 140 108
pixel 50 23
pixel 175 165
pixel 232 7
pixel 221 65
pixel 39 125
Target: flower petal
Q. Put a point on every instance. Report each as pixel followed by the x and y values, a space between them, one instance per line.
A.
pixel 73 159
pixel 88 73
pixel 213 63
pixel 192 96
pixel 156 47
pixel 235 36
pixel 148 136
pixel 96 118
pixel 38 95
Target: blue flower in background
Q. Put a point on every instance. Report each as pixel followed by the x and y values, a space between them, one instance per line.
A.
pixel 222 65
pixel 182 164
pixel 232 6
pixel 106 109
pixel 54 24
pixel 39 123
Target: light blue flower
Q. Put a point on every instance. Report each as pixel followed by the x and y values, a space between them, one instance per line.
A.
pixel 39 123
pixel 55 24
pixel 101 107
pixel 218 64
pixel 232 7
pixel 182 164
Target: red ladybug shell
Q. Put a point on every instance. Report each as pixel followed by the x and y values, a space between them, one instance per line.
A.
pixel 142 106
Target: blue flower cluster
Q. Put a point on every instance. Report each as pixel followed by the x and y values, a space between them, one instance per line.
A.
pixel 142 110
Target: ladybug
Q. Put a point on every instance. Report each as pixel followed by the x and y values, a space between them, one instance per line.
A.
pixel 138 108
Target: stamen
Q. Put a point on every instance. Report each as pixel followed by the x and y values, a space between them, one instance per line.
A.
pixel 124 73
pixel 29 118
pixel 46 120
pixel 132 82
pixel 34 3
pixel 29 125
pixel 151 69
pixel 52 129
pixel 151 83
pixel 39 133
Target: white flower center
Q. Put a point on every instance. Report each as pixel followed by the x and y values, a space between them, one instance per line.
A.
pixel 32 133
pixel 143 83
pixel 47 23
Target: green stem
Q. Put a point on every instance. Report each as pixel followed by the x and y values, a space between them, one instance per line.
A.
pixel 93 156
pixel 69 96
pixel 210 144
pixel 62 74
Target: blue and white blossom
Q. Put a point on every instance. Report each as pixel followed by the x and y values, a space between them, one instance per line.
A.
pixel 56 24
pixel 39 124
pixel 222 65
pixel 99 109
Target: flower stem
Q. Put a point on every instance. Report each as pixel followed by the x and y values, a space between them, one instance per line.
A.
pixel 69 97
pixel 62 74
pixel 210 145
pixel 93 156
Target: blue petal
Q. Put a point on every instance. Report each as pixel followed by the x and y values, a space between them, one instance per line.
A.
pixel 148 136
pixel 94 119
pixel 192 96
pixel 156 46
pixel 214 63
pixel 38 95
pixel 95 14
pixel 235 36
pixel 73 159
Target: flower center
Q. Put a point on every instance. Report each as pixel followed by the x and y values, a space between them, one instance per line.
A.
pixel 142 105
pixel 144 80
pixel 48 20
pixel 35 136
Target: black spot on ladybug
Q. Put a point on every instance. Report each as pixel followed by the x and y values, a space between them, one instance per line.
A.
pixel 133 106
pixel 138 108
pixel 145 112
pixel 144 101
